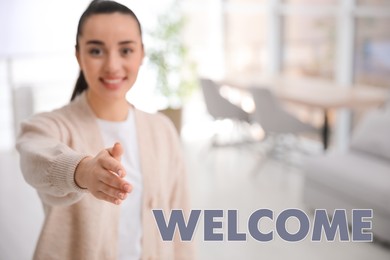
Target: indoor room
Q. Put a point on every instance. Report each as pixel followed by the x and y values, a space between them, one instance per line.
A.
pixel 279 109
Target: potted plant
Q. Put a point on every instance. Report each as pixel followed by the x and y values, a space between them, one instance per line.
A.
pixel 175 74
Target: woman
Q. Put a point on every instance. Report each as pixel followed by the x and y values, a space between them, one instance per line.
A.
pixel 98 201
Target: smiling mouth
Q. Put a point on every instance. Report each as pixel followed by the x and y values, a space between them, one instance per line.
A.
pixel 112 83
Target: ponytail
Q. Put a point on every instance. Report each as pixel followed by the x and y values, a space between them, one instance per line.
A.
pixel 81 85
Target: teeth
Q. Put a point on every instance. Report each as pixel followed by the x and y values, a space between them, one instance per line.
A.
pixel 112 81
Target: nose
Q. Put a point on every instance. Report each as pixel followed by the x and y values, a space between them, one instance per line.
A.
pixel 112 63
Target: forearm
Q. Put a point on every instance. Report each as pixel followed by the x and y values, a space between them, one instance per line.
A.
pixel 51 173
pixel 47 163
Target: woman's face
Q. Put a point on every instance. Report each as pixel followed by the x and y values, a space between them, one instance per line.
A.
pixel 110 53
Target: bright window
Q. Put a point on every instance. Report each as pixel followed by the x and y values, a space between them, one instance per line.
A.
pixel 309 46
pixel 373 2
pixel 372 51
pixel 245 45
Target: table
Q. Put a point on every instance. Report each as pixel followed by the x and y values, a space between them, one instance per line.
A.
pixel 323 94
pixel 328 95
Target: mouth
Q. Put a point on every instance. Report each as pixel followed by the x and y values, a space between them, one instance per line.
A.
pixel 112 83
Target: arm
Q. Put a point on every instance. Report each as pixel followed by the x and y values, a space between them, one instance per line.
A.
pixel 47 163
pixel 60 174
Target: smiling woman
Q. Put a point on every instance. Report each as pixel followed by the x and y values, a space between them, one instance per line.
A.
pixel 109 52
pixel 99 164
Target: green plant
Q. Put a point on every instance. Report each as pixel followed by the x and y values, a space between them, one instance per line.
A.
pixel 169 57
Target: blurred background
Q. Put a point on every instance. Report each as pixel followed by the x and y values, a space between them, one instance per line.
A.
pixel 324 66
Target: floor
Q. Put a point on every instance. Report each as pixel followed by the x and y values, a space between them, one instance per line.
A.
pixel 227 178
pixel 240 178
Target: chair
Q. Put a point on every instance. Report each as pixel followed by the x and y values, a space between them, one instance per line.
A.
pixel 274 119
pixel 219 107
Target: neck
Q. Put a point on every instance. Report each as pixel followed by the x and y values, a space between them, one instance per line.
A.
pixel 109 109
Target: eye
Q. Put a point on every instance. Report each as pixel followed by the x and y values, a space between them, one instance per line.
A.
pixel 126 51
pixel 95 52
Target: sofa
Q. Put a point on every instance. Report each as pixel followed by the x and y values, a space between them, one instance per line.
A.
pixel 358 178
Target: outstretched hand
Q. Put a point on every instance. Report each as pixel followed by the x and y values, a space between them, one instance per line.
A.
pixel 103 175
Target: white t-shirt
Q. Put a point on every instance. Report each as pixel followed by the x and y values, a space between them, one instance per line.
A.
pixel 130 228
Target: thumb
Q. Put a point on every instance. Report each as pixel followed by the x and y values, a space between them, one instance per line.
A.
pixel 116 151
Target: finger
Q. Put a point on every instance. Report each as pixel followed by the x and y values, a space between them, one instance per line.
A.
pixel 112 192
pixel 115 182
pixel 101 195
pixel 116 151
pixel 112 165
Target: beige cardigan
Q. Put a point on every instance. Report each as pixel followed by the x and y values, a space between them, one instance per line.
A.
pixel 77 225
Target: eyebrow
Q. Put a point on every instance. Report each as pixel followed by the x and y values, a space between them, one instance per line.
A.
pixel 102 43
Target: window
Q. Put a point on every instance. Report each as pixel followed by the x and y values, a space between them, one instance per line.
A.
pixel 245 42
pixel 311 1
pixel 197 33
pixel 373 2
pixel 246 1
pixel 372 51
pixel 309 46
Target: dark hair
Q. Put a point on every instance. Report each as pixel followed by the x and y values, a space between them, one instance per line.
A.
pixel 98 7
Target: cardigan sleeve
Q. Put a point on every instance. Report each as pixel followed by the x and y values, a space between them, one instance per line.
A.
pixel 47 162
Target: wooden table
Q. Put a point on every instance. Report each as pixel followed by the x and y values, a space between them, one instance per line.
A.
pixel 325 95
pixel 330 96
